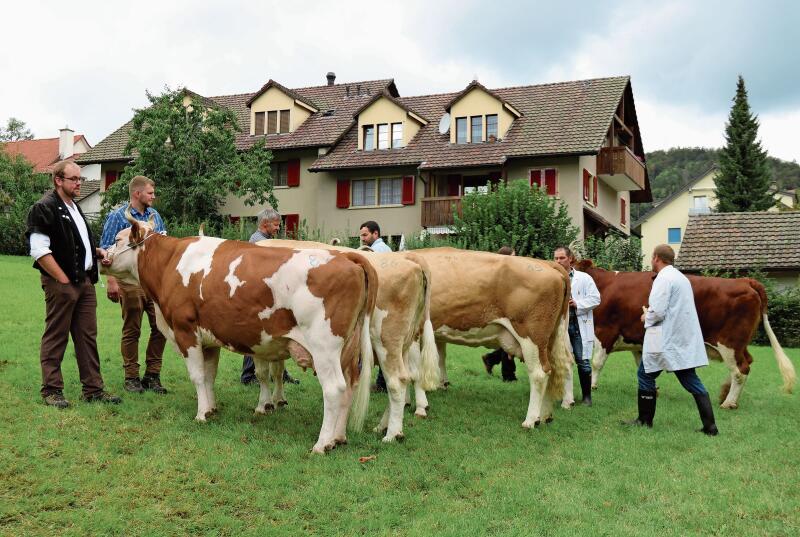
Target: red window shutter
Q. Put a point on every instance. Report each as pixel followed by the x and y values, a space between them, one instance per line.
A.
pixel 453 185
pixel 292 222
pixel 536 178
pixel 408 196
pixel 622 211
pixel 343 193
pixel 586 178
pixel 293 172
pixel 594 190
pixel 550 181
pixel 233 219
pixel 111 177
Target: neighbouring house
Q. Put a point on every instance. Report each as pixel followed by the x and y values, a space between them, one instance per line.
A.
pixel 347 153
pixel 742 242
pixel 90 199
pixel 44 152
pixel 666 222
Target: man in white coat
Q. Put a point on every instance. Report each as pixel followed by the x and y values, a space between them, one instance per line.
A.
pixel 585 298
pixel 673 341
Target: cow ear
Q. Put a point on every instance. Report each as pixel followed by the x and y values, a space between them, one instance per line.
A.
pixel 136 231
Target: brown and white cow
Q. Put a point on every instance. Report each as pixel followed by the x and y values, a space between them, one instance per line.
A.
pixel 313 305
pixel 401 330
pixel 729 311
pixel 518 304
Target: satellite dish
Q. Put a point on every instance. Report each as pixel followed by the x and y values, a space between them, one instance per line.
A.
pixel 444 123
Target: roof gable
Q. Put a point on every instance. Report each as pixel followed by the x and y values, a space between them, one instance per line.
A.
pixel 675 195
pixel 475 85
pixel 296 96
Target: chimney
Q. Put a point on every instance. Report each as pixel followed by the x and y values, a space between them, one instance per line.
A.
pixel 331 76
pixel 66 143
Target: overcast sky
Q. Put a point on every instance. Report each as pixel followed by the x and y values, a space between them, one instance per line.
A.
pixel 87 64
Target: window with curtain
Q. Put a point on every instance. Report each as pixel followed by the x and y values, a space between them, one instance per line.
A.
pixel 383 136
pixel 397 135
pixel 363 192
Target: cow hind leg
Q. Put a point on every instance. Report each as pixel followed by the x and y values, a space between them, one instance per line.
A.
pixel 441 348
pixel 196 368
pixel 396 386
pixel 331 378
pixel 340 434
pixel 538 380
pixel 210 366
pixel 265 403
pixel 599 357
pixel 569 392
pixel 421 399
pixel 276 370
pixel 732 388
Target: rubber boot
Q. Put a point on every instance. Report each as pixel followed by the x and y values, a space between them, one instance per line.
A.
pixel 647 410
pixel 585 378
pixel 508 367
pixel 706 414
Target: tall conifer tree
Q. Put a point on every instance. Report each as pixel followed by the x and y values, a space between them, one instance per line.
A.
pixel 742 184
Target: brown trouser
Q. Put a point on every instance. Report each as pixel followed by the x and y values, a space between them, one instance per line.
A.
pixel 70 309
pixel 134 305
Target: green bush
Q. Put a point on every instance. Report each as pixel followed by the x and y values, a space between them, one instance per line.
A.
pixel 20 188
pixel 612 252
pixel 514 215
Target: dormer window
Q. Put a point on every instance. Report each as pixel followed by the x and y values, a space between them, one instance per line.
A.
pixel 284 122
pixel 369 137
pixel 491 127
pixel 397 135
pixel 476 124
pixel 277 122
pixel 272 122
pixel 383 136
pixel 461 130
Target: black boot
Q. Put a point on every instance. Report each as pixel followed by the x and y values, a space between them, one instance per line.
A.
pixel 706 414
pixel 586 386
pixel 508 368
pixel 647 410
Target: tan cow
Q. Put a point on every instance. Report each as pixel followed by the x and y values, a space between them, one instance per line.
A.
pixel 400 320
pixel 313 305
pixel 518 304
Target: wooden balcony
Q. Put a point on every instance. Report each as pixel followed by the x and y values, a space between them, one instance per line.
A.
pixel 620 169
pixel 438 211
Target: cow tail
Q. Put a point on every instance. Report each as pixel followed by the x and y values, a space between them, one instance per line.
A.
pixel 561 350
pixel 360 406
pixel 784 364
pixel 429 374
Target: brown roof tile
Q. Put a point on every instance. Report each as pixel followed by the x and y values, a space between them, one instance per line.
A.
pixel 565 118
pixel 42 152
pixel 741 241
pixel 336 104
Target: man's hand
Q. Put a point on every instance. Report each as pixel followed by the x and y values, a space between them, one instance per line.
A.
pixel 644 313
pixel 112 289
pixel 572 303
pixel 102 255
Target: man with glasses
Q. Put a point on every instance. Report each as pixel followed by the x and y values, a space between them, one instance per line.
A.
pixel 135 304
pixel 64 251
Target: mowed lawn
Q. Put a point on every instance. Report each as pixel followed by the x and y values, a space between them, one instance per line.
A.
pixel 146 468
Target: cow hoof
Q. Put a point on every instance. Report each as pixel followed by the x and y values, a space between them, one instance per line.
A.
pixel 330 446
pixel 594 386
pixel 421 413
pixel 444 385
pixel 319 450
pixel 340 441
pixel 567 404
pixel 283 403
pixel 530 424
pixel 548 419
pixel 729 406
pixel 200 418
pixel 266 410
pixel 380 430
pixel 388 439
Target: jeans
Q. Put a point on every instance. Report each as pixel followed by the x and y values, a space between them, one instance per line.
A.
pixel 574 332
pixel 687 377
pixel 248 370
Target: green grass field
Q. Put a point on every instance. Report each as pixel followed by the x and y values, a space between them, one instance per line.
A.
pixel 146 468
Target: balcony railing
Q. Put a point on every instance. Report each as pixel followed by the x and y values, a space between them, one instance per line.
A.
pixel 438 211
pixel 620 168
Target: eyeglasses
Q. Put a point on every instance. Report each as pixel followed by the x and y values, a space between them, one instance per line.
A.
pixel 75 179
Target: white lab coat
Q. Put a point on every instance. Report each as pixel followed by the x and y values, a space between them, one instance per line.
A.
pixel 673 339
pixel 587 298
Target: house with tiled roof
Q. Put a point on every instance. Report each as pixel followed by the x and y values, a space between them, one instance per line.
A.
pixel 742 242
pixel 667 222
pixel 44 152
pixel 347 153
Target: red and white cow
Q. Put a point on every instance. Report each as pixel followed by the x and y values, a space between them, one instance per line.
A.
pixel 518 304
pixel 729 311
pixel 313 305
pixel 401 330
